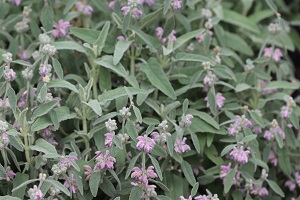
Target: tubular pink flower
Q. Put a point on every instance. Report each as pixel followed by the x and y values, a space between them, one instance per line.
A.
pixel 146 143
pixel 159 32
pixel 180 146
pixel 60 29
pixel 108 139
pixel 104 161
pixel 111 5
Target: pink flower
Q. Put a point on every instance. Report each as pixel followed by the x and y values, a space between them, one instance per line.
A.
pixel 121 38
pixel 65 161
pixel 202 197
pixel 290 184
pixel 265 92
pixel 224 170
pixel 276 55
pixel 17 2
pixel 172 36
pixel 297 178
pixel 180 146
pixel 143 175
pixel 239 155
pixel 149 2
pixel 137 13
pixel 189 117
pixel 285 112
pixel 270 134
pixel 182 198
pixel 109 139
pixel 273 158
pixel 60 29
pixel 104 161
pixel 88 170
pixel 261 191
pixel 7 105
pixel 125 10
pixel 9 74
pixel 111 5
pixel 200 37
pixel 146 143
pixel 86 9
pixel 159 32
pixel 176 4
pixel 73 183
pixel 219 100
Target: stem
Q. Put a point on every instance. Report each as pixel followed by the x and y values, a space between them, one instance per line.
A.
pixel 144 160
pixel 132 61
pixel 26 148
pixel 4 158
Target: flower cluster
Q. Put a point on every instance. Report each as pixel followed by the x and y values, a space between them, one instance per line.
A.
pixel 274 129
pixel 240 122
pixel 132 8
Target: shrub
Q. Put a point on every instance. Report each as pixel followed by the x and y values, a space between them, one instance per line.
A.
pixel 148 99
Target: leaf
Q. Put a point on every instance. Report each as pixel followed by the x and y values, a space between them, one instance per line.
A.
pixel 195 141
pixel 22 62
pixel 18 180
pixel 126 23
pixel 47 18
pixel 236 43
pixel 100 42
pixel 204 116
pixel 57 68
pixel 12 98
pixel 107 62
pixel 249 138
pixel 136 193
pixel 54 119
pixel 272 5
pixel 14 142
pixel 85 34
pixel 183 39
pixel 281 85
pixel 59 186
pixel 242 87
pixel 279 139
pixel 188 173
pixel 69 45
pixel 62 84
pixel 119 92
pixel 294 119
pixel 195 189
pixel 138 114
pixel 107 187
pixel 191 57
pixel 44 109
pixel 167 6
pixel 237 19
pixel 48 149
pixel 229 180
pixel 131 165
pixel 257 118
pixel 284 161
pixel 151 42
pixel 211 98
pixel 227 149
pixel 94 183
pixel 120 48
pixel 156 166
pixel 2 172
pixel 150 18
pixel 275 188
pixel 117 142
pixel 9 198
pixel 95 106
pixel 158 78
